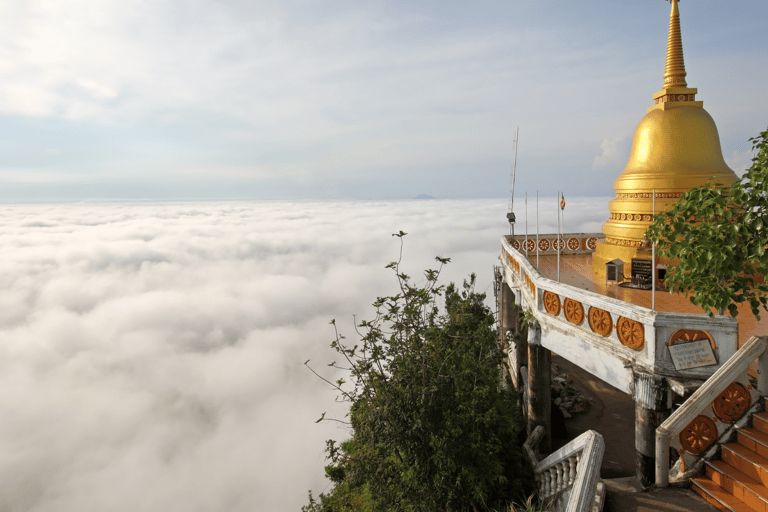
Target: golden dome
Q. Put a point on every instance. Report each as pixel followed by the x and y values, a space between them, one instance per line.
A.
pixel 673 151
pixel 676 147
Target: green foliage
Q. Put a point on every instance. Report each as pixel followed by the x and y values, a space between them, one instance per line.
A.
pixel 530 505
pixel 719 237
pixel 346 495
pixel 433 426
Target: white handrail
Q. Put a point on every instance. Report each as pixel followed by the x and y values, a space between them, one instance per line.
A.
pixel 530 445
pixel 574 467
pixel 734 368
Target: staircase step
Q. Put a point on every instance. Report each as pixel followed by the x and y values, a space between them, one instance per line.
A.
pixel 715 495
pixel 746 461
pixel 753 439
pixel 742 486
pixel 760 421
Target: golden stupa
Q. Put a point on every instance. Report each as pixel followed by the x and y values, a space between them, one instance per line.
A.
pixel 676 147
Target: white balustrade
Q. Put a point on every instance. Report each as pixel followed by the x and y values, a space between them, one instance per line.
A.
pixel 576 468
pixel 623 335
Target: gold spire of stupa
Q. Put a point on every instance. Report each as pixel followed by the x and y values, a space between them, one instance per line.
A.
pixel 675 87
pixel 674 72
pixel 676 147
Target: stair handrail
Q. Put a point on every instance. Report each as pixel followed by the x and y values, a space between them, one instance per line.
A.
pixel 736 367
pixel 530 446
pixel 574 467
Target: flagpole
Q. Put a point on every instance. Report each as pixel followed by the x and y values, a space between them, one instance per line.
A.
pixel 653 260
pixel 557 202
pixel 537 229
pixel 526 225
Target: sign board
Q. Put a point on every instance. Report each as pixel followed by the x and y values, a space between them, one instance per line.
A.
pixel 641 268
pixel 694 354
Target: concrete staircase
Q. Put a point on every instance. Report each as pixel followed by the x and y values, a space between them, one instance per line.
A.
pixel 739 481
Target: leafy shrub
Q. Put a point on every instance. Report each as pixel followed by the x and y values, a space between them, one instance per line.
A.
pixel 433 425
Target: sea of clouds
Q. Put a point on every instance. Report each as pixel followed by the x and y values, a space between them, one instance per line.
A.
pixel 151 355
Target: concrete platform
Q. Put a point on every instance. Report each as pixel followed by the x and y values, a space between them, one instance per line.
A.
pixel 627 495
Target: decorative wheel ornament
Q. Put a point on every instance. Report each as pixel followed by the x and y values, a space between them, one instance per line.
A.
pixel 551 303
pixel 592 243
pixel 630 333
pixel 698 435
pixel 686 335
pixel 558 243
pixel 543 244
pixel 574 244
pixel 600 321
pixel 516 245
pixel 732 403
pixel 529 245
pixel 574 311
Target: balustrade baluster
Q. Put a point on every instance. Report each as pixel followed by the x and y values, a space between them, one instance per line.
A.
pixel 553 474
pixel 572 467
pixel 559 476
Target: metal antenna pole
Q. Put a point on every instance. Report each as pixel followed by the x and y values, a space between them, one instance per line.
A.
pixel 511 214
pixel 514 166
pixel 557 202
pixel 537 229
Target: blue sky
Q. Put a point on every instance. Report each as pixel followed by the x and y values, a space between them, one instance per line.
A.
pixel 139 99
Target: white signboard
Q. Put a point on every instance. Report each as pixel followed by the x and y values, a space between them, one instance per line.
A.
pixel 694 354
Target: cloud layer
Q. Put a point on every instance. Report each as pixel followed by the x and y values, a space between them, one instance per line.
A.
pixel 151 354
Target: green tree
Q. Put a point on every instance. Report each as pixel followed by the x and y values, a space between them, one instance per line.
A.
pixel 433 426
pixel 716 238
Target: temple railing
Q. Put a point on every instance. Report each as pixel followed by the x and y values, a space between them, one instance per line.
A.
pixel 723 403
pixel 569 478
pixel 585 326
pixel 568 243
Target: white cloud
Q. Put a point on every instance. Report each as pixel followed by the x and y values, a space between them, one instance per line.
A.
pixel 265 64
pixel 151 354
pixel 613 155
pixel 740 161
pixel 282 98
